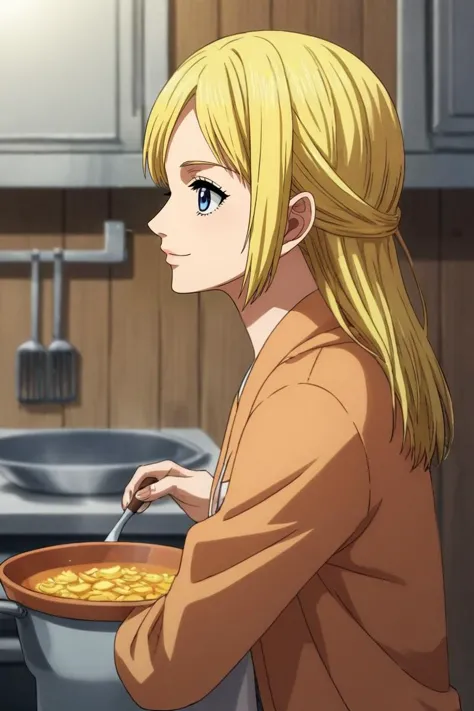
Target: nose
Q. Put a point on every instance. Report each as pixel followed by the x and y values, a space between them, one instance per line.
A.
pixel 154 227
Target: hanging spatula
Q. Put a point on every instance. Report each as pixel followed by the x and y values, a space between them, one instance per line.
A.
pixel 31 374
pixel 62 356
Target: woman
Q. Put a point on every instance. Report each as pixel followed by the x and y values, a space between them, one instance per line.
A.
pixel 315 562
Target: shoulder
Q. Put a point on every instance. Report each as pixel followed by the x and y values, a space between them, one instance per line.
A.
pixel 341 372
pixel 343 368
pixel 347 368
pixel 305 414
pixel 357 380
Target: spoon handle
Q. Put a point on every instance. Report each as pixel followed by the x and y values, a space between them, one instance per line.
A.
pixel 135 503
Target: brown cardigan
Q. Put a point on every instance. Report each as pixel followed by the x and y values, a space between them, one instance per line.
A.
pixel 324 559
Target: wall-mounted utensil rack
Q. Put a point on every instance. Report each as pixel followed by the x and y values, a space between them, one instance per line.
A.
pixel 114 252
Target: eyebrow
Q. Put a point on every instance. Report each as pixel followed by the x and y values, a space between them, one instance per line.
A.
pixel 207 163
pixel 189 163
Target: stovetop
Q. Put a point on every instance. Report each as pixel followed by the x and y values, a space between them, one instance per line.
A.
pixel 24 513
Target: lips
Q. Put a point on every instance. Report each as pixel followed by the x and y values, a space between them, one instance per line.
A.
pixel 175 259
pixel 169 253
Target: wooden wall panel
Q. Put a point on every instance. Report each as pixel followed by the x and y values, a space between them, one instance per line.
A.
pixel 243 16
pixel 338 21
pixel 134 384
pixel 421 230
pixel 179 353
pixel 29 219
pixel 194 23
pixel 290 15
pixel 379 40
pixel 226 354
pixel 87 307
pixel 457 323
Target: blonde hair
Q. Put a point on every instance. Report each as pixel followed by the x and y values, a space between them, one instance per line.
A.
pixel 293 113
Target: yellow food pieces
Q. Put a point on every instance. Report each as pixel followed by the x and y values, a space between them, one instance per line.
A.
pixel 109 573
pixel 49 589
pixel 87 578
pixel 79 588
pixel 142 589
pixel 112 584
pixel 66 577
pixel 103 585
pixel 67 593
pixel 152 578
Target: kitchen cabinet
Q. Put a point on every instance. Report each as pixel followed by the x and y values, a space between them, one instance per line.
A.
pixel 435 91
pixel 78 81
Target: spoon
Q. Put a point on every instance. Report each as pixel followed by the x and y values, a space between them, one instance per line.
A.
pixel 131 509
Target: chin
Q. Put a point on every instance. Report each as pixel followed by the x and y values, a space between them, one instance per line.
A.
pixel 187 283
pixel 184 286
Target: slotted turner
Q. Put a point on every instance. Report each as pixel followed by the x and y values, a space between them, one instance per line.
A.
pixel 31 374
pixel 62 356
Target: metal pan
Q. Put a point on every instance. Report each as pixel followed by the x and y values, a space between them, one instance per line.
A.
pixel 89 462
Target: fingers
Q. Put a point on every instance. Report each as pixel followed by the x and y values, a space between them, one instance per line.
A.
pixel 167 486
pixel 157 470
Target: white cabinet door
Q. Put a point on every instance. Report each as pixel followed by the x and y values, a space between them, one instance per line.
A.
pixel 155 68
pixel 71 76
pixel 452 67
pixel 435 91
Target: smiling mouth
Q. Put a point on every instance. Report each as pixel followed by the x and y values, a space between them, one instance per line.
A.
pixel 174 259
pixel 174 254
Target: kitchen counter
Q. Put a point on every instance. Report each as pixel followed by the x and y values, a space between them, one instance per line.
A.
pixel 24 513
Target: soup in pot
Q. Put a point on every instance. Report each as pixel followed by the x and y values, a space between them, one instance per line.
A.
pixel 116 583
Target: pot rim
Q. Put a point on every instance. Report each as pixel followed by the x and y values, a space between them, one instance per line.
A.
pixel 79 609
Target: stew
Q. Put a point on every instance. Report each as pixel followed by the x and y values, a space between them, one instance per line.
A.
pixel 117 583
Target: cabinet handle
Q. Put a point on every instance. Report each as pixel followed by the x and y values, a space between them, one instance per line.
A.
pixel 137 56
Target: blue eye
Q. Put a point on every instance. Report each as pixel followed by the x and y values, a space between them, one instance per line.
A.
pixel 204 199
pixel 209 196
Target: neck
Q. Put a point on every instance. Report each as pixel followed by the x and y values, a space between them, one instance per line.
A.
pixel 292 282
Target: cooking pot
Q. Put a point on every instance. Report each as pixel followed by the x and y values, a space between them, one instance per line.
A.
pixel 68 645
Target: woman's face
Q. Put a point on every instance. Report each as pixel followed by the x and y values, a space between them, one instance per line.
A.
pixel 203 226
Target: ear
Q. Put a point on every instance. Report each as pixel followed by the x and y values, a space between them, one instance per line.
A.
pixel 301 216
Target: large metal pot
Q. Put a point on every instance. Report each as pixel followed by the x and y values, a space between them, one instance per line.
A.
pixel 68 645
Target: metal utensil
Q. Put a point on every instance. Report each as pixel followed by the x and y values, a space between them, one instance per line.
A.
pixel 62 356
pixel 131 509
pixel 31 368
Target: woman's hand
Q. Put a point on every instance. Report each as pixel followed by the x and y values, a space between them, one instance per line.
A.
pixel 190 489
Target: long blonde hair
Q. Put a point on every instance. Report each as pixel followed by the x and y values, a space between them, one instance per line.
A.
pixel 293 113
